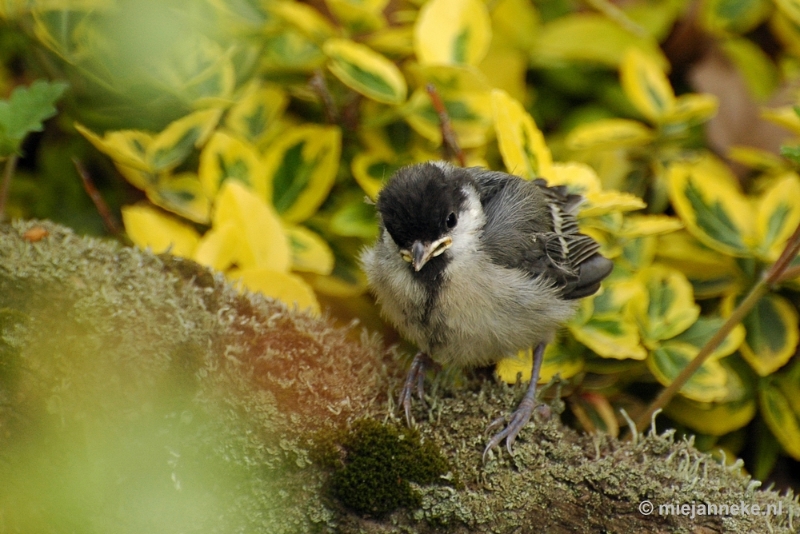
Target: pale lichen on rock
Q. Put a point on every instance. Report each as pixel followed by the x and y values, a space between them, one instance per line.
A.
pixel 143 393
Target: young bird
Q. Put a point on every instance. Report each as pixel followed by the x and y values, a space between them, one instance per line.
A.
pixel 473 265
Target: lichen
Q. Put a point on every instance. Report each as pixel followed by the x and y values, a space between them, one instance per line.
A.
pixel 144 393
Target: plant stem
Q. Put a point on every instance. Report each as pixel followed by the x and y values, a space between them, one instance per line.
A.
pixel 112 227
pixel 8 172
pixel 759 290
pixel 449 139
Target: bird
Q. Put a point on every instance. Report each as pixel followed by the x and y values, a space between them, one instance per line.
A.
pixel 473 265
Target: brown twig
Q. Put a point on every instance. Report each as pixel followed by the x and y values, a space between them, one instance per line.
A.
pixel 449 139
pixel 112 227
pixel 775 274
pixel 8 172
pixel 317 83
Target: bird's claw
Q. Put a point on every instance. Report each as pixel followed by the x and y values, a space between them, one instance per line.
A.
pixel 516 422
pixel 415 379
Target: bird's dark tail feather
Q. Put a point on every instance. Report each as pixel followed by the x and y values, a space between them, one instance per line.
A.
pixel 590 273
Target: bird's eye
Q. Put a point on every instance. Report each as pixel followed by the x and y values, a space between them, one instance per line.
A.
pixel 451 220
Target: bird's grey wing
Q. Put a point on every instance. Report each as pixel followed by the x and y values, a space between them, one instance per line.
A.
pixel 533 227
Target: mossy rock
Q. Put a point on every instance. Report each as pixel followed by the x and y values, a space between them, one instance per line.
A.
pixel 141 393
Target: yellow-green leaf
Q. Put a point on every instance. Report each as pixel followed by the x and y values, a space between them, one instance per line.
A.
pixel 557 360
pixel 603 202
pixel 647 225
pixel 150 228
pixel 579 178
pixel 219 247
pixel 302 166
pixel 262 242
pixel 777 216
pixel 786 31
pixel 772 334
pixel 310 253
pixel 452 32
pixel 359 16
pixel 125 147
pixel 725 17
pixel 394 41
pixel 371 169
pixel 712 208
pixel 790 8
pixel 226 157
pixel 691 109
pixel 353 217
pixel 757 158
pixel 290 50
pixel 365 71
pixel 667 307
pixel 140 179
pixel 347 279
pixel 781 419
pixel 310 22
pixel 609 134
pixel 256 111
pixel 286 287
pixel 711 273
pixel 760 73
pixel 611 337
pixel 707 384
pixel 704 329
pixel 646 85
pixel 592 38
pixel 521 143
pixel 784 117
pixel 170 147
pixel 715 419
pixel 181 194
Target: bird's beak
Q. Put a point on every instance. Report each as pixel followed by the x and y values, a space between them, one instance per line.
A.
pixel 421 253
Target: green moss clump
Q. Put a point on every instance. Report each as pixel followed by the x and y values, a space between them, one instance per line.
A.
pixel 379 462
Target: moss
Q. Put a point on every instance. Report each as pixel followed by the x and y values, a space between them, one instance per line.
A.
pixel 379 464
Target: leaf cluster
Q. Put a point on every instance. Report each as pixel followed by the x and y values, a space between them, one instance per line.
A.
pixel 256 128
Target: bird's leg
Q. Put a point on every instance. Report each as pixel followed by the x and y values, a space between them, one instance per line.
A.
pixel 520 416
pixel 415 379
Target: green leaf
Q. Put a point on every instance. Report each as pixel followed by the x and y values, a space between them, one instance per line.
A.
pixel 592 38
pixel 181 194
pixel 733 411
pixel 452 32
pixel 704 329
pixel 772 334
pixel 355 218
pixel 646 85
pixel 609 134
pixel 777 216
pixel 667 307
pixel 25 111
pixel 302 166
pixel 712 207
pixel 365 71
pixel 521 143
pixel 724 17
pixel 707 384
pixel 781 419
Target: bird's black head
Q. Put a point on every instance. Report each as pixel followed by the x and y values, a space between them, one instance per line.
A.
pixel 423 202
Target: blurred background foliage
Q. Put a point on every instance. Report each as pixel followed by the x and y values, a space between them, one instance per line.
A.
pixel 246 134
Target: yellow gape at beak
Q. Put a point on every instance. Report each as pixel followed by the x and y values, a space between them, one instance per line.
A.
pixel 421 253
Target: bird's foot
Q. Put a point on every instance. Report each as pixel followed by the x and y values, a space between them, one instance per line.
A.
pixel 516 421
pixel 519 417
pixel 415 379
